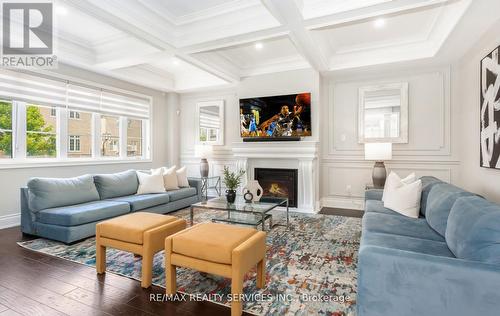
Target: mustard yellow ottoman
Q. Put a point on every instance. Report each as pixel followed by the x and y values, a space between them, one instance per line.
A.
pixel 140 233
pixel 225 250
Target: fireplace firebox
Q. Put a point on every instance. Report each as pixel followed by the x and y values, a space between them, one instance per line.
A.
pixel 278 183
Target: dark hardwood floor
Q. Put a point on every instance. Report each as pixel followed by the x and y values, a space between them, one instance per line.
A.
pixel 34 284
pixel 341 212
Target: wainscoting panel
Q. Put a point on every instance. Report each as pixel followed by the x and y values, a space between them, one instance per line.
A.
pixel 343 184
pixel 429 114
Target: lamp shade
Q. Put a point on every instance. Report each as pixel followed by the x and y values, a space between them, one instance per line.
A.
pixel 202 151
pixel 378 151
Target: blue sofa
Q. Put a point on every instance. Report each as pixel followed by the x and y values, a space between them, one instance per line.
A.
pixel 67 209
pixel 447 262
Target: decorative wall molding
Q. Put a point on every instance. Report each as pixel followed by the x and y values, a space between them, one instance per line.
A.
pixel 302 156
pixel 11 220
pixel 342 202
pixel 442 149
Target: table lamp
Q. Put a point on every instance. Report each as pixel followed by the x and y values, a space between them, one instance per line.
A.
pixel 378 152
pixel 203 151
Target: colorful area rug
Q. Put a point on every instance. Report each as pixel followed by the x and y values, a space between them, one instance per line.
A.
pixel 311 266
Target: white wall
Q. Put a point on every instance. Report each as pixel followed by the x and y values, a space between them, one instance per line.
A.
pixel 431 149
pixel 13 179
pixel 433 119
pixel 305 80
pixel 474 178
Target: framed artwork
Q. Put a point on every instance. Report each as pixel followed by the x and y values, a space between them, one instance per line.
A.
pixel 490 110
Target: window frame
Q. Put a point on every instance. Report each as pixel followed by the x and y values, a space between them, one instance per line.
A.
pixel 20 159
pixel 26 132
pixel 76 140
pixel 76 115
pixel 11 130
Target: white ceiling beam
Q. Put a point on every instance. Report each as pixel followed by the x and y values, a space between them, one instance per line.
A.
pixel 290 16
pixel 95 10
pixel 216 70
pixel 386 8
pixel 235 40
pixel 111 19
pixel 131 60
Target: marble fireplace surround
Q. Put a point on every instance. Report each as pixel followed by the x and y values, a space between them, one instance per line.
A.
pixel 300 155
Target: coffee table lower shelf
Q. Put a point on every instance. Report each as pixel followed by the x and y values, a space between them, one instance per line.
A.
pixel 245 219
pixel 240 212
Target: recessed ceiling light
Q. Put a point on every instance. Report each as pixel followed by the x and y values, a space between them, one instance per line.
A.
pixel 61 10
pixel 258 46
pixel 175 62
pixel 379 23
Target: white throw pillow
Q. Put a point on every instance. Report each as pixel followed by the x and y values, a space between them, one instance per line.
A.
pixel 394 181
pixel 405 199
pixel 170 178
pixel 150 183
pixel 182 179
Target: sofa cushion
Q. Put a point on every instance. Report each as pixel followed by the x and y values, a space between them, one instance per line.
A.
pixel 473 231
pixel 374 206
pixel 116 184
pixel 399 225
pixel 82 213
pixel 441 198
pixel 47 193
pixel 140 202
pixel 427 183
pixel 417 245
pixel 181 193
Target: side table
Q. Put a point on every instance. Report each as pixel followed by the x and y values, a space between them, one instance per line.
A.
pixel 213 182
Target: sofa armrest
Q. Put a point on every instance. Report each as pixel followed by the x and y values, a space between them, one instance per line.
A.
pixel 374 194
pixel 196 183
pixel 397 282
pixel 27 216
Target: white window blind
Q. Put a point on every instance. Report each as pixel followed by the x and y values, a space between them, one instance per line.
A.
pixel 74 96
pixel 209 119
pixel 33 89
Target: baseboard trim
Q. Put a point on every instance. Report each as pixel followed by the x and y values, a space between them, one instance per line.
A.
pixel 343 202
pixel 11 220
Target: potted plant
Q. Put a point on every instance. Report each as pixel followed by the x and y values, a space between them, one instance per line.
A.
pixel 232 180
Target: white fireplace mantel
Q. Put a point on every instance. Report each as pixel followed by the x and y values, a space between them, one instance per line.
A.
pixel 276 150
pixel 304 154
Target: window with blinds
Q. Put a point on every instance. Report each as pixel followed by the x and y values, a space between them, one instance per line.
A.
pixel 92 122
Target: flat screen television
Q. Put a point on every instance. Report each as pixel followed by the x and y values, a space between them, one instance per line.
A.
pixel 276 116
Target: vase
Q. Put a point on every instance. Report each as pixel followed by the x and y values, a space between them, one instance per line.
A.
pixel 204 167
pixel 230 196
pixel 254 187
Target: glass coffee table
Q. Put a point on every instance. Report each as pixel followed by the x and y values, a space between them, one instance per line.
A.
pixel 240 212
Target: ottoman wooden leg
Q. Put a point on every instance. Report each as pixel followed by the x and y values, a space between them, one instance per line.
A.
pixel 147 269
pixel 261 273
pixel 236 291
pixel 100 258
pixel 171 278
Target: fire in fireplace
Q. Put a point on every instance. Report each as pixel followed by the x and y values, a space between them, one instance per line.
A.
pixel 278 183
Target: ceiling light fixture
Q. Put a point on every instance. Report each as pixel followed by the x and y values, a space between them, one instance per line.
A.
pixel 258 46
pixel 175 62
pixel 379 23
pixel 61 10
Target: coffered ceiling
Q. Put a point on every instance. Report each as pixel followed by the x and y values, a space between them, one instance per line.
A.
pixel 185 45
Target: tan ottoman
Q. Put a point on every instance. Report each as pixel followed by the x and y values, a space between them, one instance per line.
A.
pixel 140 233
pixel 226 250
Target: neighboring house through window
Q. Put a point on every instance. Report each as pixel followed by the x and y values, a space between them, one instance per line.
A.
pixel 74 115
pixel 74 143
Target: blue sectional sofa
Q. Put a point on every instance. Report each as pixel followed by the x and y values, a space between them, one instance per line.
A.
pixel 447 262
pixel 67 209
